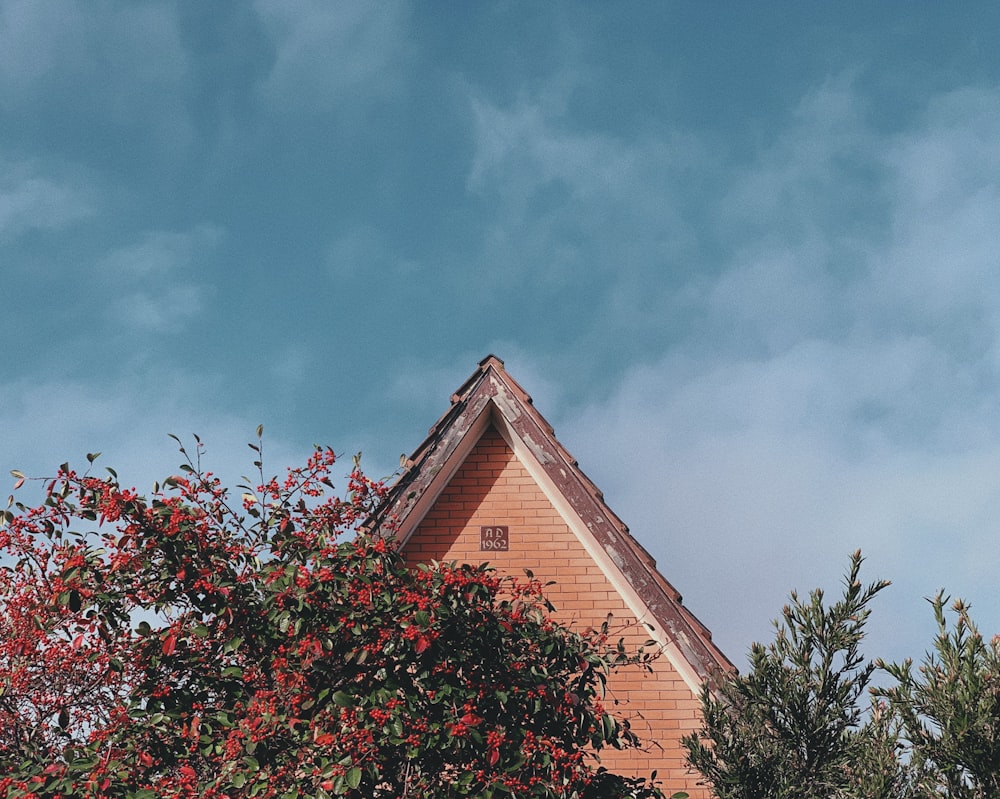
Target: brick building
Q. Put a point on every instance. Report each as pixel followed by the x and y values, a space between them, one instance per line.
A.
pixel 492 483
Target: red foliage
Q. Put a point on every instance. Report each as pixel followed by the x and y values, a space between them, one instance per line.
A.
pixel 186 646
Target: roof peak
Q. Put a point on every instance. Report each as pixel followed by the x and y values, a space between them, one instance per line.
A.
pixel 493 361
pixel 490 396
pixel 491 364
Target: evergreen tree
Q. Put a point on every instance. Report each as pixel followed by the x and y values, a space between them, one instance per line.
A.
pixel 794 726
pixel 950 708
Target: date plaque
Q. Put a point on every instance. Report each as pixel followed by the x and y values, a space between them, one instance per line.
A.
pixel 494 538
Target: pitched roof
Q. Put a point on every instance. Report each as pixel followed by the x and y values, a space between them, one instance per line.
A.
pixel 492 397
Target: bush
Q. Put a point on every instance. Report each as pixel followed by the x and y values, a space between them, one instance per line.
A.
pixel 192 645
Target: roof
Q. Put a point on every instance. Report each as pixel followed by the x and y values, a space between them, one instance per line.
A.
pixel 492 396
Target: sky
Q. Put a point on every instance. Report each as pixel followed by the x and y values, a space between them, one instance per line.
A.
pixel 745 257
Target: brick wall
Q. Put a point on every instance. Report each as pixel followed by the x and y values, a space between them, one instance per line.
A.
pixel 493 488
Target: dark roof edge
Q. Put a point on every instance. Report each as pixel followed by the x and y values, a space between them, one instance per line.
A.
pixel 490 385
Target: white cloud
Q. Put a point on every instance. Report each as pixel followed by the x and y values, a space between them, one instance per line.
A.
pixel 33 201
pixel 748 479
pixel 160 253
pixel 833 404
pixel 771 298
pixel 572 210
pixel 102 64
pixel 330 56
pixel 812 169
pixel 944 257
pixel 163 311
pixel 522 149
pixel 47 422
pixel 151 279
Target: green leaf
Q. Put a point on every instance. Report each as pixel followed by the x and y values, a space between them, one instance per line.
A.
pixel 354 777
pixel 608 724
pixel 342 699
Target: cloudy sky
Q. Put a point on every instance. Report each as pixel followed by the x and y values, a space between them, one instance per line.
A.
pixel 746 257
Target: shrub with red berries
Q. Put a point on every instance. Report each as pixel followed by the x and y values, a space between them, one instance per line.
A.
pixel 189 644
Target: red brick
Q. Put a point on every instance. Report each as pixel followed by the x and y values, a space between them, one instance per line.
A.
pixel 492 487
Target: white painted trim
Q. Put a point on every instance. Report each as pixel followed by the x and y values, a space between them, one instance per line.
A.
pixel 600 556
pixel 441 480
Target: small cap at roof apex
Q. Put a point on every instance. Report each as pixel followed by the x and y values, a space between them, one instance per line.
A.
pixel 491 358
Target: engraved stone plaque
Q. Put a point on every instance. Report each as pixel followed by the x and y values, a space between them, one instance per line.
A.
pixel 495 538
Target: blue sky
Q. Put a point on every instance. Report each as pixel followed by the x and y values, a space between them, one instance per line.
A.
pixel 744 256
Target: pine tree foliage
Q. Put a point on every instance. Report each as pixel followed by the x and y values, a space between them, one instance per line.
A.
pixel 798 724
pixel 792 727
pixel 949 708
